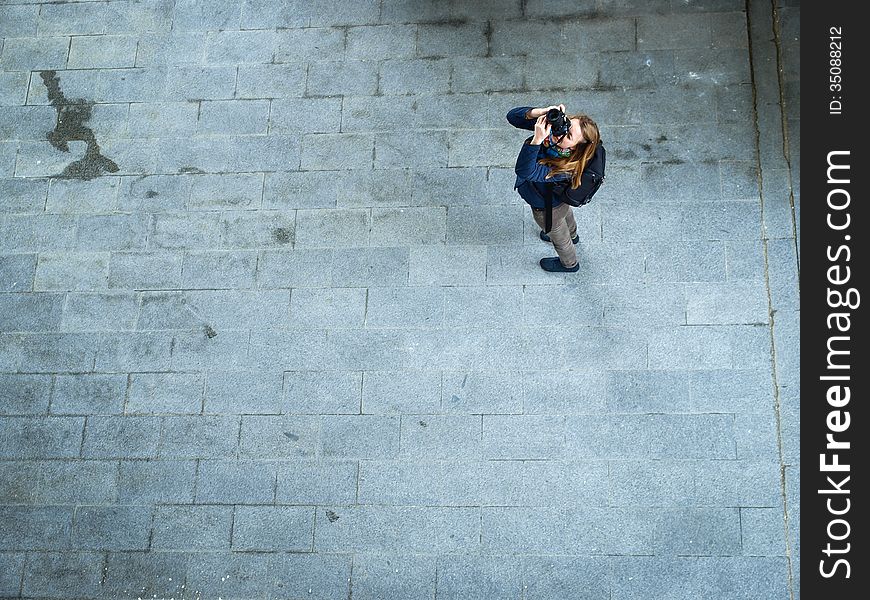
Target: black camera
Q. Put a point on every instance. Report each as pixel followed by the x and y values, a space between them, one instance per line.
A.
pixel 559 123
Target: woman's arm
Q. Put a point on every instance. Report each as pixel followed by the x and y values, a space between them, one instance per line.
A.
pixel 524 117
pixel 517 117
pixel 527 166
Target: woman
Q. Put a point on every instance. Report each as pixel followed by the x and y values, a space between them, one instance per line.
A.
pixel 548 169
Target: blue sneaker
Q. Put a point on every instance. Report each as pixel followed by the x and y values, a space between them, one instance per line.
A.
pixel 554 265
pixel 546 238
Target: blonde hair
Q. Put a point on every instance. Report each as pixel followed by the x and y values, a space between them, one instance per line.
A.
pixel 580 155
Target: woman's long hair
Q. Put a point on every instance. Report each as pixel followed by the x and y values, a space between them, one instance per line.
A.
pixel 580 155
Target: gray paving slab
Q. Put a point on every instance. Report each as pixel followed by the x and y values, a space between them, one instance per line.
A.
pixel 25 394
pixel 148 482
pixel 271 528
pixel 332 393
pixel 41 437
pixel 318 308
pixel 227 191
pixel 134 351
pixel 288 337
pixel 448 265
pixel 219 270
pixel 17 485
pixel 79 271
pixel 112 527
pixel 440 483
pixel 121 437
pixel 37 527
pixel 19 21
pixel 389 576
pixel 429 75
pixel 203 350
pixel 300 575
pixel 763 531
pixel 410 529
pixel 30 53
pixel 793 515
pixel 280 81
pixel 92 482
pixel 102 52
pixel 156 393
pixel 279 437
pixel 31 312
pixel 225 575
pixel 8 157
pixel 145 573
pixel 523 436
pixel 317 482
pixel 698 532
pixel 115 232
pixel 560 531
pixel 483 577
pixel 360 436
pixel 441 437
pixel 186 527
pixel 243 393
pixel 172 231
pixel 13 569
pixel 688 577
pixel 412 226
pixel 552 577
pixel 404 392
pixel 54 574
pixel 26 233
pixel 24 195
pixel 199 437
pixel 709 436
pixel 145 270
pixel 100 312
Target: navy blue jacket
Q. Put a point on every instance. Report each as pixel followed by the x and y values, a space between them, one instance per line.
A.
pixel 532 183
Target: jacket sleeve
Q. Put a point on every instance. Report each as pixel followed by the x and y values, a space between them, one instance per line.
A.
pixel 527 166
pixel 529 169
pixel 517 118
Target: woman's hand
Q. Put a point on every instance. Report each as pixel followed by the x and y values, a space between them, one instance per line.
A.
pixel 542 130
pixel 537 112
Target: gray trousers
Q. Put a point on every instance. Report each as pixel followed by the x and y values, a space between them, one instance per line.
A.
pixel 564 228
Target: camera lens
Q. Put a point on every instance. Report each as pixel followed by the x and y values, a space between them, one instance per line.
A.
pixel 559 123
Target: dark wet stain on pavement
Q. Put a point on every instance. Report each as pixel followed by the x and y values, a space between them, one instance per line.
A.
pixel 282 235
pixel 72 115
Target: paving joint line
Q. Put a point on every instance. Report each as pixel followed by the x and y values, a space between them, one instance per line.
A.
pixel 771 311
pixel 786 152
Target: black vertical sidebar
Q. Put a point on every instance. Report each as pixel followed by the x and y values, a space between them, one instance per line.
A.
pixel 834 365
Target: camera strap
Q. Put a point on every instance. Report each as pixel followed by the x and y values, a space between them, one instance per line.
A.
pixel 548 210
pixel 545 191
pixel 552 149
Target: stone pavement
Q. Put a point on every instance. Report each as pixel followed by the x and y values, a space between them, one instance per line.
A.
pixel 272 324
